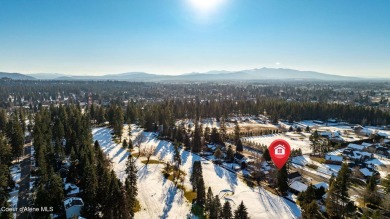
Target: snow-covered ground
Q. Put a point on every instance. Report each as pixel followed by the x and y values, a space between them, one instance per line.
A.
pixel 14 194
pixel 159 198
pixel 296 141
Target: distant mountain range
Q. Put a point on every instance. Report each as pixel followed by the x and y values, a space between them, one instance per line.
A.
pixel 16 76
pixel 215 76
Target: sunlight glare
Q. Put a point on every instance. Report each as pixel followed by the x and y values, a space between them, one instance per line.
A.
pixel 206 6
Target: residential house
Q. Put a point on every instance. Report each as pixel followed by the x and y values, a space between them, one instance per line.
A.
pixel 294 176
pixel 333 159
pixel 297 187
pixel 357 147
pixel 73 207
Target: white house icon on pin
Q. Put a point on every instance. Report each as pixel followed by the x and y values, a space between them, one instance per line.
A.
pixel 279 150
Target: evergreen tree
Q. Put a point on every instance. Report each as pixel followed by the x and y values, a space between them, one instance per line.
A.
pixel 266 155
pixel 236 133
pixel 124 144
pixel 239 146
pixel 200 192
pixel 215 208
pixel 56 192
pixel 241 212
pixel 197 142
pixel 6 214
pixel 371 194
pixel 117 122
pixel 226 211
pixel 16 136
pixel 337 195
pixel 386 183
pixel 209 200
pixel 131 144
pixel 90 186
pixel 230 154
pixel 131 185
pixel 218 154
pixel 3 120
pixel 42 200
pixel 282 180
pixel 195 174
pixel 311 211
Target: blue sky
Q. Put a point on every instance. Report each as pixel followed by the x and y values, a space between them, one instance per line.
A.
pixel 346 37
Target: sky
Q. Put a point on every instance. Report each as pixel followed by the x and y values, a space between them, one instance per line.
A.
pixel 96 37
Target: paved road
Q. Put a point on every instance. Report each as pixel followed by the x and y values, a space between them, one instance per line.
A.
pixel 25 166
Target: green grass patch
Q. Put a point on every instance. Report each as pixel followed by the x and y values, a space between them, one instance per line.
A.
pixel 152 162
pixel 312 166
pixel 190 195
pixel 134 154
pixel 137 206
pixel 318 159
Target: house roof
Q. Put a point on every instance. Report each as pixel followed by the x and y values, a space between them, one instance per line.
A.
pixel 366 144
pixel 238 156
pixel 298 186
pixel 74 201
pixel 321 184
pixel 366 172
pixel 334 158
pixel 356 146
pixel 294 175
pixel 73 188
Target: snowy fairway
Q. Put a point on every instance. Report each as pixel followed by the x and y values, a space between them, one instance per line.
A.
pixel 159 198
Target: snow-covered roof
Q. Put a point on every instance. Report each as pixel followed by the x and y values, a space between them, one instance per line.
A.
pixel 74 201
pixel 73 188
pixel 298 186
pixel 321 184
pixel 366 172
pixel 383 134
pixel 366 144
pixel 356 146
pixel 334 158
pixel 364 153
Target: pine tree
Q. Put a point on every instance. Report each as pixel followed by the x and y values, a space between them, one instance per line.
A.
pixel 16 138
pixel 196 141
pixel 124 144
pixel 230 154
pixel 226 211
pixel 215 208
pixel 241 212
pixel 337 195
pixel 42 200
pixel 218 154
pixel 236 134
pixel 371 194
pixel 239 146
pixel 131 185
pixel 311 211
pixel 90 186
pixel 282 180
pixel 266 155
pixel 131 144
pixel 209 200
pixel 386 183
pixel 200 192
pixel 195 174
pixel 56 192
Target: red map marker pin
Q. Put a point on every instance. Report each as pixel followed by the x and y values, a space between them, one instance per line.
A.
pixel 279 150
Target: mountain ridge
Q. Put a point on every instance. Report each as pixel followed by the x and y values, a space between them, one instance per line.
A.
pixel 256 74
